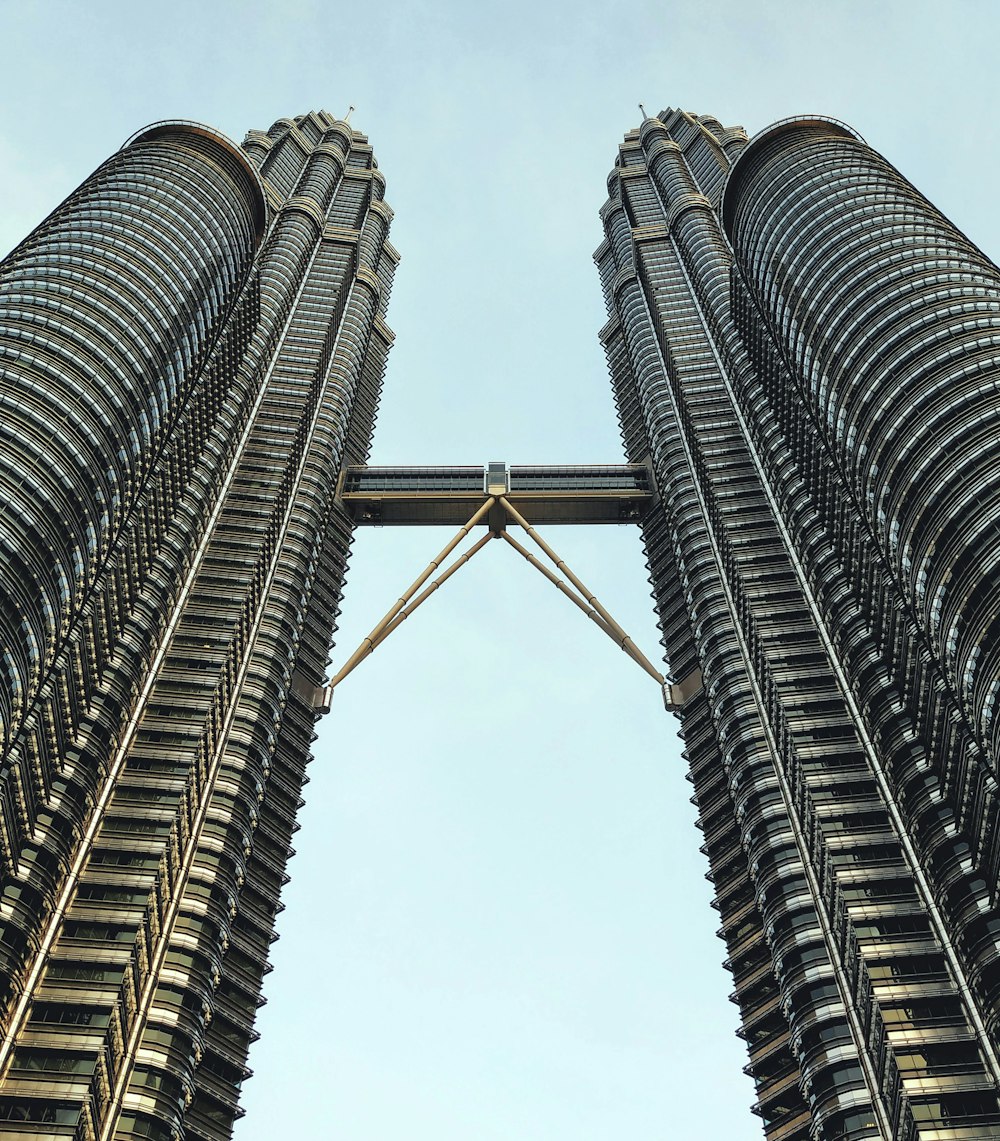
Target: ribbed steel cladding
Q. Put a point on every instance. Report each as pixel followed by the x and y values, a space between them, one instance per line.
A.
pixel 899 687
pixel 95 693
pixel 881 658
pixel 246 810
pixel 689 542
pixel 103 310
pixel 252 808
pixel 864 879
pixel 198 826
pixel 826 578
pixel 892 319
pixel 188 969
pixel 787 906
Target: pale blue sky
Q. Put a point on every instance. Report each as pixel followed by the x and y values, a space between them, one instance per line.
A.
pixel 498 926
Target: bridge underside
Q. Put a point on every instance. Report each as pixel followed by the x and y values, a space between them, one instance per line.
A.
pixel 447 496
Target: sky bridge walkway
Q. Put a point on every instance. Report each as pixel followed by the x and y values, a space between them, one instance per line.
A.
pixel 494 496
pixel 446 496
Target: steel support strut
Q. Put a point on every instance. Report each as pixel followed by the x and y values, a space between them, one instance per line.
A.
pixel 580 595
pixel 587 600
pixel 623 642
pixel 435 583
pixel 400 611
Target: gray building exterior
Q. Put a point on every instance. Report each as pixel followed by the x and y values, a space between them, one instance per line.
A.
pixel 192 345
pixel 806 353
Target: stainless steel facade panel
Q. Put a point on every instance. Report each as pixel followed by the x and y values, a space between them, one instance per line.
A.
pixel 889 318
pixel 166 764
pixel 107 313
pixel 842 787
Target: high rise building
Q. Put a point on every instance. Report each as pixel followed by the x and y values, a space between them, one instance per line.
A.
pixel 191 347
pixel 806 353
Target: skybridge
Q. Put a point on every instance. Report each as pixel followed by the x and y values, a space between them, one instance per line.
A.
pixel 496 496
pixel 447 496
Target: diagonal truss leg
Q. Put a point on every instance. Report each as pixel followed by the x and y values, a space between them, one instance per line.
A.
pixel 580 596
pixel 435 583
pixel 395 615
pixel 586 600
pixel 558 583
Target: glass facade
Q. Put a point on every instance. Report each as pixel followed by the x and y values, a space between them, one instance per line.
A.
pixel 805 348
pixel 193 345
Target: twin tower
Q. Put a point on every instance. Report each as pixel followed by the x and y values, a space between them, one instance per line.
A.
pixel 806 360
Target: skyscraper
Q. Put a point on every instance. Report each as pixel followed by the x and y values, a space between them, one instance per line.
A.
pixel 805 351
pixel 192 345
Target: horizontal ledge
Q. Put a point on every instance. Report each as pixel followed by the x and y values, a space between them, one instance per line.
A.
pixel 554 494
pixel 401 510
